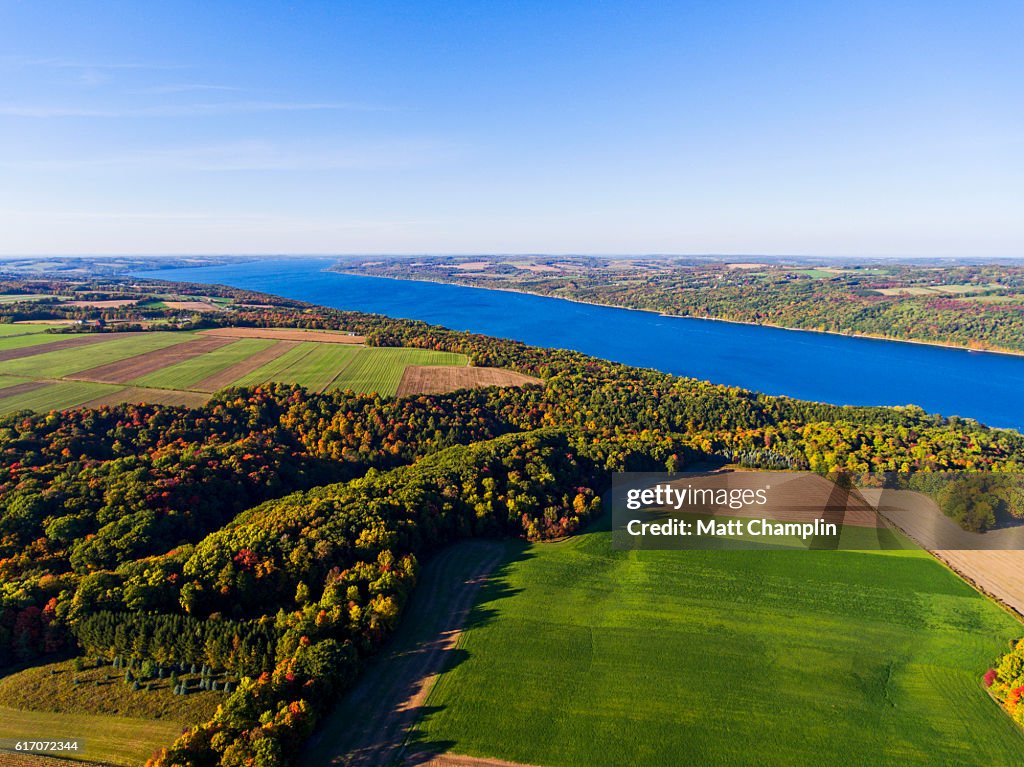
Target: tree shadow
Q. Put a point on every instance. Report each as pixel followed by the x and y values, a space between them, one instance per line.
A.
pixel 375 722
pixel 497 587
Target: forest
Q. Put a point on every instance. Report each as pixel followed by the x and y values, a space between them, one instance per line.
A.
pixel 276 534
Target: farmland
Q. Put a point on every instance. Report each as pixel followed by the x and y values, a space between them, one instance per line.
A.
pixel 442 378
pixel 46 371
pixel 11 298
pixel 10 329
pixel 724 658
pixel 277 537
pixel 918 302
pixel 108 739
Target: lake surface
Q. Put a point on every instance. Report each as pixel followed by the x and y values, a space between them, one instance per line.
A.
pixel 814 366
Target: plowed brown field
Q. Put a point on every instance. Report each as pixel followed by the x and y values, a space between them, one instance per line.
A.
pixel 436 379
pixel 22 388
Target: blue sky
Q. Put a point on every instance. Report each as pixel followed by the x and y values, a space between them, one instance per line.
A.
pixel 831 128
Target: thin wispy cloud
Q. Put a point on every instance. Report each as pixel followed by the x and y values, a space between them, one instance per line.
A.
pixel 63 63
pixel 265 222
pixel 163 90
pixel 179 110
pixel 258 155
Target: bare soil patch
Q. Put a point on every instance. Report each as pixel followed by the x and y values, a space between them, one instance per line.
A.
pixel 124 371
pixel 287 334
pixel 229 375
pixel 140 395
pixel 997 570
pixel 22 388
pixel 1000 574
pixel 194 306
pixel 436 379
pixel 67 343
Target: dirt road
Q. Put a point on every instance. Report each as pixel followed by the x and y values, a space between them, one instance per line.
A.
pixel 370 726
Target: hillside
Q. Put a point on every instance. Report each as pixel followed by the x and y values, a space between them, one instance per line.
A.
pixel 271 537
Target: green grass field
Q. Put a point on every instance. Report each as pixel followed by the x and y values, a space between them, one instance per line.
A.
pixel 9 331
pixel 580 655
pixel 108 739
pixel 54 396
pixel 28 339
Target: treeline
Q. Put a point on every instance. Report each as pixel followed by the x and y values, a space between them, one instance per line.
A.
pixel 977 501
pixel 242 647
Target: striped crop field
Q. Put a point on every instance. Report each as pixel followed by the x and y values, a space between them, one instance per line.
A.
pixel 45 371
pixel 55 396
pixel 381 369
pixel 184 375
pixel 66 362
pixel 310 364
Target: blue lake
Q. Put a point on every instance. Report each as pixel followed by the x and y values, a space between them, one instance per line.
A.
pixel 813 366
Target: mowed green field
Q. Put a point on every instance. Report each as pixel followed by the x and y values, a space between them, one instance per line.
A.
pixel 107 739
pixel 57 396
pixel 22 340
pixel 580 655
pixel 315 365
pixel 29 328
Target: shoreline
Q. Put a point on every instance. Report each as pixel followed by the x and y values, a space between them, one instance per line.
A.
pixel 867 336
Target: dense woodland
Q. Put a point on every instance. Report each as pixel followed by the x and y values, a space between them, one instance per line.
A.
pixel 976 306
pixel 281 531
